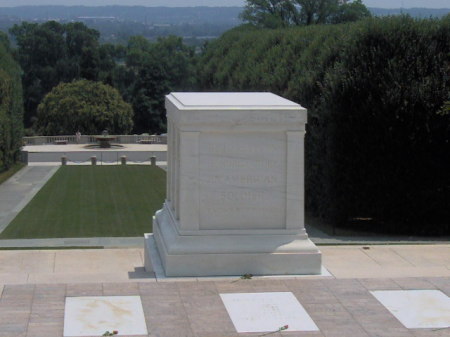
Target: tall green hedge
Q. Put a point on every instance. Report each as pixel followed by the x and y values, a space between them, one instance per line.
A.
pixel 11 106
pixel 377 145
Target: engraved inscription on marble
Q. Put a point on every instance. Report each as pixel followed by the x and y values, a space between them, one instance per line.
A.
pixel 252 117
pixel 266 312
pixel 242 180
pixel 256 117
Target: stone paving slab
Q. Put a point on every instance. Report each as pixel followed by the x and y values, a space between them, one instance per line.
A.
pixel 195 308
pixel 106 242
pixel 126 265
pixel 382 261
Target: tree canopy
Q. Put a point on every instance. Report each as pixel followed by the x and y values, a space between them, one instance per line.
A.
pixel 270 13
pixel 83 105
pixel 50 53
pixel 282 13
pixel 11 106
pixel 152 70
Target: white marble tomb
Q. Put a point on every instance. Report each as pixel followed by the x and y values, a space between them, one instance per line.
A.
pixel 417 309
pixel 266 312
pixel 235 187
pixel 94 315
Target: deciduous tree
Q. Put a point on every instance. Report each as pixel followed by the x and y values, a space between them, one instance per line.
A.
pixel 270 13
pixel 282 13
pixel 153 69
pixel 83 105
pixel 50 53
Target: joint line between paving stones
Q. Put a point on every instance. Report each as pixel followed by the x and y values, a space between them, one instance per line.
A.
pixel 370 257
pixel 404 259
pixel 184 309
pixel 31 309
pixel 141 256
pixel 345 308
pixel 54 262
pixel 429 285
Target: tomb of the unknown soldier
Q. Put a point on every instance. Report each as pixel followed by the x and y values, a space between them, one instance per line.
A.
pixel 235 188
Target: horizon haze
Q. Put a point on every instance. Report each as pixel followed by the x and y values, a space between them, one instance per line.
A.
pixel 211 3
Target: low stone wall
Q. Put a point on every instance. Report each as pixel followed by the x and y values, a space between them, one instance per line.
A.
pixel 80 157
pixel 92 139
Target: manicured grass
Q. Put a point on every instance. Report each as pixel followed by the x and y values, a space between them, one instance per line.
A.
pixel 90 201
pixel 5 175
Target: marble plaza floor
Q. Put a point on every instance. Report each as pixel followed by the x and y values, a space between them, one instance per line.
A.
pixel 34 286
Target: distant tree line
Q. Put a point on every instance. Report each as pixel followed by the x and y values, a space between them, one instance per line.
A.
pixel 378 133
pixel 284 13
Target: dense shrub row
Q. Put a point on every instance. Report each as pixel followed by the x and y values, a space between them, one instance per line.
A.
pixel 11 108
pixel 378 139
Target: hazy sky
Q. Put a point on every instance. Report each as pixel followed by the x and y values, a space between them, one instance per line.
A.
pixel 178 3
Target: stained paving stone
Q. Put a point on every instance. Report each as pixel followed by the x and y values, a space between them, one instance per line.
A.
pixel 166 316
pixel 327 310
pixel 85 289
pixel 50 291
pixel 302 334
pixel 342 330
pixel 379 284
pixel 13 329
pixel 323 296
pixel 235 286
pixel 44 329
pixel 380 331
pixel 168 309
pixel 411 283
pixel 380 323
pixel 16 300
pixel 346 288
pixel 165 328
pixel 8 318
pixel 190 289
pixel 18 290
pixel 207 314
pixel 120 289
pixel 222 334
pixel 431 332
pixel 441 283
pixel 265 285
pixel 159 291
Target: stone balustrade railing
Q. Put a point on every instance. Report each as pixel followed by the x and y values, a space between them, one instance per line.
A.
pixel 91 139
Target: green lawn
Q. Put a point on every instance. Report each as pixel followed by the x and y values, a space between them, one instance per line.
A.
pixel 89 201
